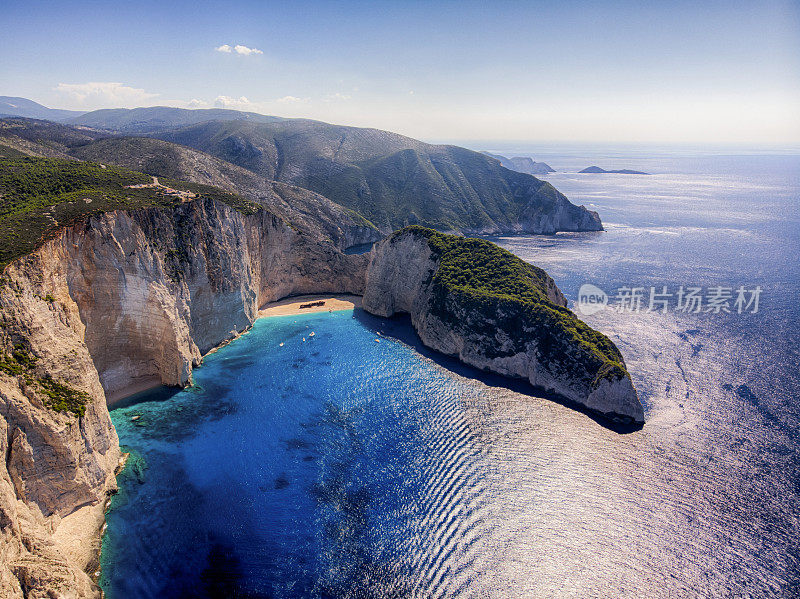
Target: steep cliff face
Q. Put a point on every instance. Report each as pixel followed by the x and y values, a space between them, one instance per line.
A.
pixel 305 210
pixel 555 213
pixel 536 339
pixel 58 467
pixel 157 288
pixel 120 301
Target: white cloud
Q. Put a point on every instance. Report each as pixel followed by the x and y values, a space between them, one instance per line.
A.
pixel 239 49
pixel 240 103
pixel 104 93
pixel 246 51
pixel 293 100
pixel 335 97
pixel 195 103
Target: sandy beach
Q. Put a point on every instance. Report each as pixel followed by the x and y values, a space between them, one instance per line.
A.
pixel 291 305
pixel 114 397
pixel 285 307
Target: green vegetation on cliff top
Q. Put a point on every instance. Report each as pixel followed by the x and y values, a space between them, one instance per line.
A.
pixel 388 179
pixel 485 278
pixel 56 395
pixel 39 196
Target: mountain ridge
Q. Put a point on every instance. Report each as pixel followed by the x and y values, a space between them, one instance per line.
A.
pixel 151 118
pixel 16 106
pixel 305 210
pixel 388 179
pixel 391 179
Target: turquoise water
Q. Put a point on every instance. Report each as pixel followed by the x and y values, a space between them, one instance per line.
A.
pixel 295 470
pixel 345 467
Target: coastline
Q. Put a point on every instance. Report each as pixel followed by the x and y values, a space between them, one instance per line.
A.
pixel 93 518
pixel 290 306
pixel 79 536
pixel 139 387
pixel 287 306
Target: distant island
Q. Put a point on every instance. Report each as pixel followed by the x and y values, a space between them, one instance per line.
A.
pixel 523 164
pixel 624 171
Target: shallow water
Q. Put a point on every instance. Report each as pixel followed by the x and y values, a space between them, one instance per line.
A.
pixel 340 466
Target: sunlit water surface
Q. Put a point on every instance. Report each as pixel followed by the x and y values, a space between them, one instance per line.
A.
pixel 352 464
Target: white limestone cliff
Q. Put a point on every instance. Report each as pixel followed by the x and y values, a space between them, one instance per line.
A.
pixel 498 339
pixel 121 301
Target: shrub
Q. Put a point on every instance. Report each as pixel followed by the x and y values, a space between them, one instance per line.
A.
pixel 38 196
pixel 57 396
pixel 476 276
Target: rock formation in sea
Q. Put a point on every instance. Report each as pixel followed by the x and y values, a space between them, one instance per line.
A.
pixel 470 299
pixel 596 170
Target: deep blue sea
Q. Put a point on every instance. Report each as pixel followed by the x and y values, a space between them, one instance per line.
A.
pixel 353 463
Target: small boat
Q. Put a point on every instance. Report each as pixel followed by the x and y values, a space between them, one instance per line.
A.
pixel 311 334
pixel 281 345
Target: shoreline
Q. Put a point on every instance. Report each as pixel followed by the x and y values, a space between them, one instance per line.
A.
pixel 287 306
pixel 290 306
pixel 120 395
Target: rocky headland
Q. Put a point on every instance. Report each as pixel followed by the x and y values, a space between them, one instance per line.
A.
pixel 470 299
pixel 523 164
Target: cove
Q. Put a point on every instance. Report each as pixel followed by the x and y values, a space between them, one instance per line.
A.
pixel 342 463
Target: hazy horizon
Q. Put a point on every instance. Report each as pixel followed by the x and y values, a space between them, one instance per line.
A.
pixel 708 73
pixel 525 146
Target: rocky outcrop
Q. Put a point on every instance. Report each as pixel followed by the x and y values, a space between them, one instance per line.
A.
pixel 600 171
pixel 543 343
pixel 556 214
pixel 120 301
pixel 523 164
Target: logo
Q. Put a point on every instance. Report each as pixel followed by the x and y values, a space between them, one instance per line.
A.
pixel 591 299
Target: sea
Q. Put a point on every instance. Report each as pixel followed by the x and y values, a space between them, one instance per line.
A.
pixel 330 455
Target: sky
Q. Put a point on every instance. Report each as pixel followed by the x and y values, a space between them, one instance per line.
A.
pixel 666 72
